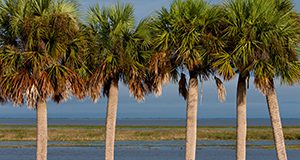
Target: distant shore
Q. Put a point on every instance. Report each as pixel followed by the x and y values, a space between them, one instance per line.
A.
pixel 82 133
pixel 147 121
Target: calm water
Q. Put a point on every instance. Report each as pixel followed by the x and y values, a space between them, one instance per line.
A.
pixel 164 150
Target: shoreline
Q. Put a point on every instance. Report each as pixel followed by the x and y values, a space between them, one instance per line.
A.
pixel 82 133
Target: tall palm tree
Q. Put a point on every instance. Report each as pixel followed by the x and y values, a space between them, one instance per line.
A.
pixel 184 37
pixel 240 51
pixel 282 62
pixel 40 46
pixel 119 53
pixel 258 33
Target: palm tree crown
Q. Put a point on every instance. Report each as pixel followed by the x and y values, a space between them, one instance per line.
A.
pixel 119 51
pixel 262 37
pixel 185 36
pixel 40 49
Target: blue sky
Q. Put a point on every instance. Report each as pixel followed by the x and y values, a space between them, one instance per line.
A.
pixel 169 105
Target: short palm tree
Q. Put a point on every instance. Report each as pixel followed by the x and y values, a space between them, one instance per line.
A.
pixel 261 37
pixel 184 38
pixel 119 53
pixel 40 46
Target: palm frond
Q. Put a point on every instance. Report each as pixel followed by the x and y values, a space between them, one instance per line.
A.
pixel 221 90
pixel 183 91
pixel 120 51
pixel 43 53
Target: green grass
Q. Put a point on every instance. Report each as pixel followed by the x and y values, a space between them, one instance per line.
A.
pixel 136 133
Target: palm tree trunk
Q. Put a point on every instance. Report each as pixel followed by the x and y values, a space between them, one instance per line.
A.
pixel 276 122
pixel 111 116
pixel 241 118
pixel 191 118
pixel 42 135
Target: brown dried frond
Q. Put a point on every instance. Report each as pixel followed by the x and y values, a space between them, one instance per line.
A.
pixel 263 84
pixel 45 86
pixel 2 100
pixel 166 78
pixel 57 97
pixel 160 65
pixel 64 90
pixel 137 87
pixel 158 81
pixel 78 86
pixel 201 91
pixel 59 77
pixel 65 81
pixel 32 95
pixel 2 96
pixel 158 88
pixel 4 87
pixel 154 84
pixel 20 83
pixel 154 62
pixel 221 90
pixel 63 93
pixel 248 81
pixel 106 87
pixel 14 87
pixel 182 86
pixel 95 84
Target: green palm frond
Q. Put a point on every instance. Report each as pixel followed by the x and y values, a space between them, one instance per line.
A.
pixel 44 53
pixel 11 18
pixel 289 73
pixel 222 63
pixel 187 35
pixel 69 7
pixel 40 7
pixel 120 50
pixel 262 36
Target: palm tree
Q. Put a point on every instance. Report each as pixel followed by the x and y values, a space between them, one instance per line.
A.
pixel 184 37
pixel 283 62
pixel 40 46
pixel 257 33
pixel 119 52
